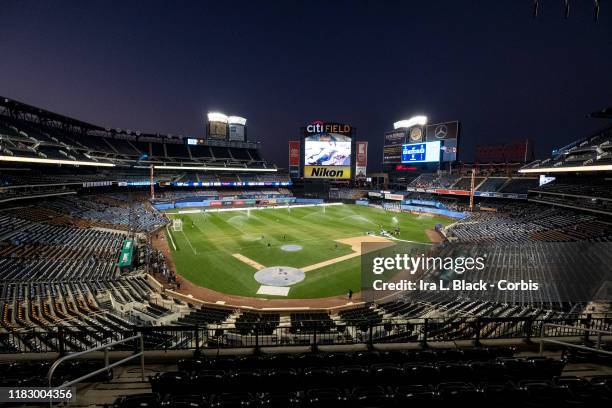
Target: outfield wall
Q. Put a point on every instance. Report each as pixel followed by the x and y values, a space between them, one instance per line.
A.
pixel 431 210
pixel 269 207
pixel 417 209
pixel 226 202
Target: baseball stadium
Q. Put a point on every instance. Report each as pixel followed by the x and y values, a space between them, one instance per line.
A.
pixel 336 267
pixel 200 245
pixel 225 251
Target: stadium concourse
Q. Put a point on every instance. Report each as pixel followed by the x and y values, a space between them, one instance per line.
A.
pixel 85 262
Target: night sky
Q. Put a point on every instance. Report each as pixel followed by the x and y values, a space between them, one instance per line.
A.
pixel 157 66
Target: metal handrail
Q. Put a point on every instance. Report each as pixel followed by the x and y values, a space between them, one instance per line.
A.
pixel 562 343
pixel 106 367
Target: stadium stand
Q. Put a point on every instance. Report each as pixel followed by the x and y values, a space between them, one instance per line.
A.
pixel 362 379
pixel 524 222
pixel 519 185
pixel 492 184
pixel 596 149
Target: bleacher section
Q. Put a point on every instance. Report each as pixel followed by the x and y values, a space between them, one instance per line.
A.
pixel 594 150
pixel 531 222
pixel 592 194
pixel 93 156
pixel 90 143
pixel 488 186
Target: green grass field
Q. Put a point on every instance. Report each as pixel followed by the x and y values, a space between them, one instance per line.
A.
pixel 208 240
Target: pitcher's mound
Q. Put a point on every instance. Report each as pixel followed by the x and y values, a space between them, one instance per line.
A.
pixel 279 276
pixel 291 248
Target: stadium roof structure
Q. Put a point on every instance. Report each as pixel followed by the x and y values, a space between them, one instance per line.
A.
pixel 11 107
pixel 22 109
pixel 35 136
pixel 605 113
pixel 589 154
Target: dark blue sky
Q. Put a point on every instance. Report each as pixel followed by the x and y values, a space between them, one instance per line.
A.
pixel 157 66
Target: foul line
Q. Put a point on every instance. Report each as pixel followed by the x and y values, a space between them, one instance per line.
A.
pixel 355 244
pixel 330 262
pixel 171 239
pixel 405 240
pixel 189 242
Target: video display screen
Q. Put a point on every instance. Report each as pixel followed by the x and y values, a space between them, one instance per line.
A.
pixel 449 150
pixel 236 133
pixel 217 130
pixel 327 149
pixel 421 152
pixel 392 154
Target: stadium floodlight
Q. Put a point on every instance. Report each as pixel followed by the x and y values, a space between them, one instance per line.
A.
pixel 203 168
pixel 237 120
pixel 599 167
pixel 217 117
pixel 413 121
pixel 53 161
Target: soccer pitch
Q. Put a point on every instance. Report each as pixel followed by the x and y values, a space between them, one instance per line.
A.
pixel 223 250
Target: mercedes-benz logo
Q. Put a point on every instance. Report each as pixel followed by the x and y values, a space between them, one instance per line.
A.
pixel 441 132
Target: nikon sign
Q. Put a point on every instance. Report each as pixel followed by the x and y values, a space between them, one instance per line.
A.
pixel 327 172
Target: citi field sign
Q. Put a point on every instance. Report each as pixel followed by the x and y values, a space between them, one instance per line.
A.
pixel 319 126
pixel 327 172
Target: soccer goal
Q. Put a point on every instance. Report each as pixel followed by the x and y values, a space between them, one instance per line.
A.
pixel 177 225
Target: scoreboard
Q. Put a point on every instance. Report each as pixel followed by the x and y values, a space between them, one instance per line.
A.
pixel 421 152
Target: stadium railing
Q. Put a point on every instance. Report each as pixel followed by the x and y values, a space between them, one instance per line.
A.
pixel 65 339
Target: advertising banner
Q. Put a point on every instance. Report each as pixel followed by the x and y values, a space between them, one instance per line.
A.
pixel 362 160
pixel 415 135
pixel 327 172
pixel 395 197
pixel 396 137
pixel 442 131
pixel 237 132
pixel 454 192
pixel 318 127
pixel 294 153
pixel 217 130
pixel 392 153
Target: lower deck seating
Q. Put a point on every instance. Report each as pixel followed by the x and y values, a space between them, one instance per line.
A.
pixel 203 316
pixel 265 323
pixel 479 376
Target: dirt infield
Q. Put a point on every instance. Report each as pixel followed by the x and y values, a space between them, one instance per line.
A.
pixel 248 261
pixel 355 244
pixel 200 295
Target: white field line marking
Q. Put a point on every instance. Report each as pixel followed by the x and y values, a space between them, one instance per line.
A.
pixel 405 240
pixel 189 242
pixel 171 239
